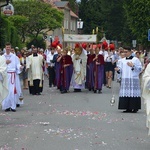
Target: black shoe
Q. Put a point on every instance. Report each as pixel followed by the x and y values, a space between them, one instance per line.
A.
pixel 135 111
pixel 77 90
pixel 90 89
pixel 18 105
pixel 127 111
pixel 13 110
pixel 8 109
pixel 94 91
pixel 64 91
pixel 100 91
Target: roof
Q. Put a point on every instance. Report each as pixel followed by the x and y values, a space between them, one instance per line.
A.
pixel 61 4
pixel 50 2
pixel 73 14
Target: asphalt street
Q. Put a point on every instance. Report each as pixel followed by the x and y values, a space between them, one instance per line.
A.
pixel 73 121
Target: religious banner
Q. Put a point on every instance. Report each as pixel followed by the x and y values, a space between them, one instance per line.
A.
pixel 79 38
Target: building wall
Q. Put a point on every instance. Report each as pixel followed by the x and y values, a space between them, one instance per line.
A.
pixel 70 27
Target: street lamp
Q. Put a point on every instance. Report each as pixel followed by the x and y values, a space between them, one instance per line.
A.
pixel 79 26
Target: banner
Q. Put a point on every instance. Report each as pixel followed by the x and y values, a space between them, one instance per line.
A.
pixel 79 38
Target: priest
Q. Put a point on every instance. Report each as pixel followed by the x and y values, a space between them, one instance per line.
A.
pixel 146 94
pixel 90 69
pixel 56 60
pixel 79 74
pixel 130 91
pixel 3 79
pixel 98 71
pixel 34 67
pixel 9 103
pixel 66 70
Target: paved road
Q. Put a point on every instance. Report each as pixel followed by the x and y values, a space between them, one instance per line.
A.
pixel 72 121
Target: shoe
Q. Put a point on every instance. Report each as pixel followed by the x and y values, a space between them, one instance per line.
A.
pixel 64 91
pixel 77 90
pixel 90 89
pixel 127 111
pixel 100 91
pixel 13 110
pixel 94 91
pixel 17 105
pixel 8 109
pixel 135 111
pixel 109 87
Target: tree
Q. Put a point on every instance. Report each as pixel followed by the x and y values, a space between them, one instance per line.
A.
pixel 8 32
pixel 21 23
pixel 40 17
pixel 90 13
pixel 137 13
pixel 113 18
pixel 105 14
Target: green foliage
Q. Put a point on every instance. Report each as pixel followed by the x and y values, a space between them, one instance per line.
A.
pixel 21 23
pixel 138 18
pixel 8 32
pixel 38 42
pixel 90 13
pixel 122 20
pixel 106 14
pixel 35 17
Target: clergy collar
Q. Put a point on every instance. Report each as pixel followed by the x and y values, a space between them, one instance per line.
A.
pixel 35 54
pixel 130 57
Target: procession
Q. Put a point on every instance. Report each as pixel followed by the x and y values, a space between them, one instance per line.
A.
pixel 84 68
pixel 72 84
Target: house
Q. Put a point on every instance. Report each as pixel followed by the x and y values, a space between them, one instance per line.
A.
pixel 69 23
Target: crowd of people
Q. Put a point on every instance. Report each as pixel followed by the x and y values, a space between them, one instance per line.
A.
pixel 82 68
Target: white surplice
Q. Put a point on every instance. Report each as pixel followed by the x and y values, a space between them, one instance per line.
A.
pixel 79 72
pixel 130 83
pixel 11 100
pixel 3 79
pixel 18 84
pixel 146 94
pixel 35 70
